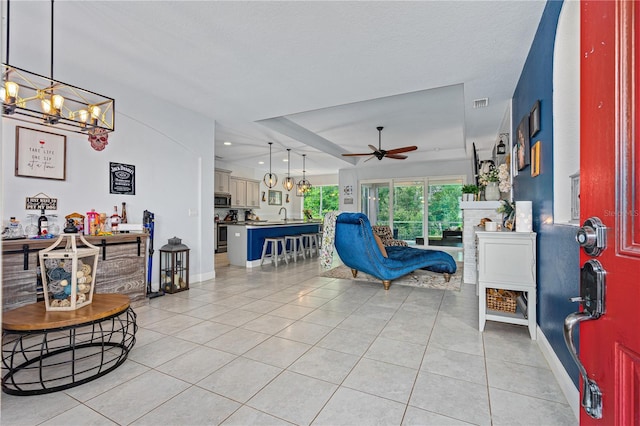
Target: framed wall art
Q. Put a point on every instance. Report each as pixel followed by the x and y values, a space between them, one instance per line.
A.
pixel 40 154
pixel 522 140
pixel 535 159
pixel 275 198
pixel 534 119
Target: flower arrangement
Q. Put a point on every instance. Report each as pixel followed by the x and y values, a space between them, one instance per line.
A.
pixel 490 176
pixel 503 177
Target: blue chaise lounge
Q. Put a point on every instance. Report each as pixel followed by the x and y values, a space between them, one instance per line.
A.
pixel 358 249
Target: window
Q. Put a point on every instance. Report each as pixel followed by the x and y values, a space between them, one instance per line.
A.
pixel 321 199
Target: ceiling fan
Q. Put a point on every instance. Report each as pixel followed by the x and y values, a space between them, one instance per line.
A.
pixel 380 153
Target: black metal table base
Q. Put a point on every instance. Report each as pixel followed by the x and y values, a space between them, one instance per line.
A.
pixel 45 361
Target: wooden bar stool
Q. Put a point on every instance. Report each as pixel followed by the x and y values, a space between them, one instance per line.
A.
pixel 273 253
pixel 311 243
pixel 296 247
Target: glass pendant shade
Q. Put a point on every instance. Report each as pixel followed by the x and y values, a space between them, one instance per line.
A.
pixel 304 185
pixel 270 179
pixel 288 183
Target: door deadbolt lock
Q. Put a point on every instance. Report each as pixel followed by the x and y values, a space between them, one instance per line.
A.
pixel 592 236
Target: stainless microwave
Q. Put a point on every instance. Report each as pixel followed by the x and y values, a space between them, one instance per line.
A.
pixel 222 200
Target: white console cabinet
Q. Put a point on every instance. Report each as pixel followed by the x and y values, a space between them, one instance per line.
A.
pixel 507 260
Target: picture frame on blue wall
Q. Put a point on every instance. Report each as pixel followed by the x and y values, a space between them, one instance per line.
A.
pixel 514 160
pixel 535 159
pixel 522 142
pixel 534 119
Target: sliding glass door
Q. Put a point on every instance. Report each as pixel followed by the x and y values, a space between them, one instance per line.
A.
pixel 375 201
pixel 419 211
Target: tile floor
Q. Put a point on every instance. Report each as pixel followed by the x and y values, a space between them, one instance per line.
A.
pixel 283 346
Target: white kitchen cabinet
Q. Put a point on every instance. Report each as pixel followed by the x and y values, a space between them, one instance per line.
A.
pixel 238 189
pixel 222 180
pixel 253 194
pixel 507 260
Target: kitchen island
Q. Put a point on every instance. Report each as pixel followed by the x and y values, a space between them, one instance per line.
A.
pixel 245 239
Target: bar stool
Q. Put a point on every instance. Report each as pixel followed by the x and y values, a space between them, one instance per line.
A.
pixel 296 247
pixel 311 243
pixel 273 254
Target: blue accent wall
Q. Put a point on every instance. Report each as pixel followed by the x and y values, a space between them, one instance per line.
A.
pixel 558 253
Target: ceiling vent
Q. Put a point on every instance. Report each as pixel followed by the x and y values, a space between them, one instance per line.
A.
pixel 481 103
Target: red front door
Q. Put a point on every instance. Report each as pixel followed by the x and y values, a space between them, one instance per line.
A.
pixel 610 190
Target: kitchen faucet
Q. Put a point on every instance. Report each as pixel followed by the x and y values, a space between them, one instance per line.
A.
pixel 285 212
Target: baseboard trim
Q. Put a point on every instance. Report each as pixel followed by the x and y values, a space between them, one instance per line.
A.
pixel 569 390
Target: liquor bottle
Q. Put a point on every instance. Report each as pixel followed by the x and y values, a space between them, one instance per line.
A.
pixel 115 220
pixel 43 224
pixel 123 219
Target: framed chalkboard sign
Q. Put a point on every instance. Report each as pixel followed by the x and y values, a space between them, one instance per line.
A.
pixel 122 179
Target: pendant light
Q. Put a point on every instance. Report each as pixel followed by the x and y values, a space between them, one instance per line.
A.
pixel 304 185
pixel 33 98
pixel 270 179
pixel 288 183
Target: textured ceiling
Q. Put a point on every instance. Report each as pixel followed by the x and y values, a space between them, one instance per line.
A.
pixel 299 73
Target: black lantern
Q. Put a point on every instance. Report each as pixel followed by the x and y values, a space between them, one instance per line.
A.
pixel 174 266
pixel 501 148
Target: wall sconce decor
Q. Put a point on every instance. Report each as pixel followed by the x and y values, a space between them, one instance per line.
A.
pixel 270 179
pixel 33 98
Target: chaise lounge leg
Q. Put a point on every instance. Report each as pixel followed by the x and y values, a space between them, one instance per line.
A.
pixel 354 272
pixel 386 284
pixel 447 277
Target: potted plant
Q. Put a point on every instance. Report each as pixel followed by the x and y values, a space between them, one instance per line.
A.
pixel 489 181
pixel 469 192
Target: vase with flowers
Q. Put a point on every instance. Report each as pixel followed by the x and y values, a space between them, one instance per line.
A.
pixel 489 181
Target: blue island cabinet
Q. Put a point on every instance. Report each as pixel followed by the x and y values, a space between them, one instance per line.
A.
pixel 245 240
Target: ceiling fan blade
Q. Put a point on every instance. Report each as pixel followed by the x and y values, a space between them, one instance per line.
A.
pixel 396 156
pixel 401 150
pixel 373 156
pixel 353 155
pixel 373 148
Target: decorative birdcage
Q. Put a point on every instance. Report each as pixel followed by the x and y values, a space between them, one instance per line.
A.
pixel 69 273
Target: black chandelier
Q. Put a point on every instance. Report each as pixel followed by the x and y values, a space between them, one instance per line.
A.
pixel 304 186
pixel 288 183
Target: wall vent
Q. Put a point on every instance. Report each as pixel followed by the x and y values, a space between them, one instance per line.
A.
pixel 481 103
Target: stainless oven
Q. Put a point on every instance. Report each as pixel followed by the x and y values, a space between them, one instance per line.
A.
pixel 222 200
pixel 221 238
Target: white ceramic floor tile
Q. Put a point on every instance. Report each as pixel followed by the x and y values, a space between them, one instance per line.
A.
pixel 268 324
pixel 458 365
pixel 348 341
pixel 277 352
pixel 418 417
pixel 349 407
pixel 513 409
pixel 240 379
pixel 40 408
pixel 194 406
pixel 523 379
pixel 293 397
pixel 396 352
pixel 237 341
pixel 160 351
pixel 204 332
pixel 450 397
pixel 249 416
pixel 196 364
pixel 80 415
pixel 304 332
pixel 325 364
pixel 382 379
pixel 133 399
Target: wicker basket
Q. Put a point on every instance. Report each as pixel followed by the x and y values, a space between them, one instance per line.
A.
pixel 501 300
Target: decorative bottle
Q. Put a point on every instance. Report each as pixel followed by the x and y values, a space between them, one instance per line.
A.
pixel 43 224
pixel 123 219
pixel 92 223
pixel 115 220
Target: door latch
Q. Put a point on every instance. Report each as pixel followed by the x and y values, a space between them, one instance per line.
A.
pixel 592 299
pixel 592 236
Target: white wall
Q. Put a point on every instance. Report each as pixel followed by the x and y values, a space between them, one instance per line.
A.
pixel 172 150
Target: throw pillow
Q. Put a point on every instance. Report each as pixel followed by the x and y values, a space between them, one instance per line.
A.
pixel 380 245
